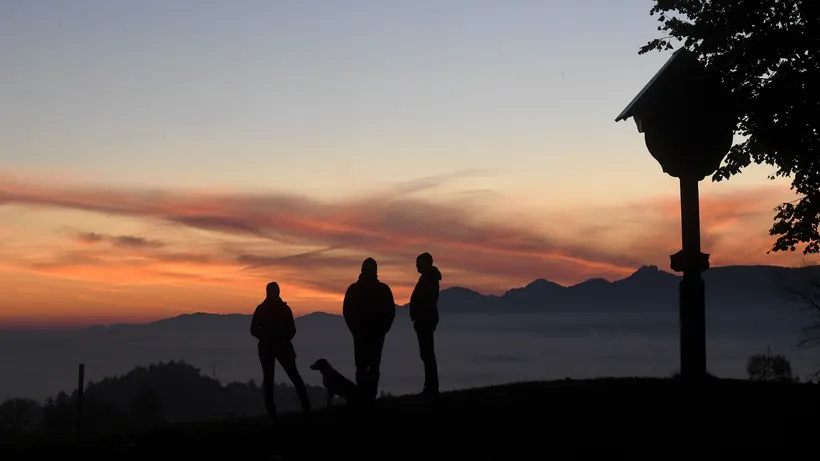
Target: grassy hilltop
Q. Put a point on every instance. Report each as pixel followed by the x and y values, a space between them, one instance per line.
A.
pixel 557 419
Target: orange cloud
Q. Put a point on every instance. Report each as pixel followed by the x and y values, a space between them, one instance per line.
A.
pixel 386 224
pixel 91 238
pixel 314 249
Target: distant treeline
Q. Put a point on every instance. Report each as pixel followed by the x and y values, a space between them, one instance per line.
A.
pixel 147 396
pixel 178 392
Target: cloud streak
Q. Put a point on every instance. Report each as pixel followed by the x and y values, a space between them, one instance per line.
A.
pixel 120 241
pixel 388 224
pixel 319 245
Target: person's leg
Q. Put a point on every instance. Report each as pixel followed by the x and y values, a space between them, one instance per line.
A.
pixel 363 353
pixel 287 358
pixel 360 358
pixel 428 357
pixel 374 365
pixel 268 362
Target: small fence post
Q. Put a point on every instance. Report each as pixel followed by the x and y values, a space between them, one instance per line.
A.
pixel 80 386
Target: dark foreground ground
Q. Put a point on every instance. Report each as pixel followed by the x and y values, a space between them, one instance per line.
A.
pixel 610 418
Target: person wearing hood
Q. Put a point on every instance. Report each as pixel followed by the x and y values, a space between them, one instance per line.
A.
pixel 273 325
pixel 369 310
pixel 424 315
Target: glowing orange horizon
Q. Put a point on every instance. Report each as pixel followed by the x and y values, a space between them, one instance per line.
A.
pixel 160 255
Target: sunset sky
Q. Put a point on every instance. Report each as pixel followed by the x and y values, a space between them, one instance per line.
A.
pixel 164 157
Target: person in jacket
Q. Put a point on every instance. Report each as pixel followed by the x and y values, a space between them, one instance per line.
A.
pixel 273 325
pixel 369 310
pixel 424 315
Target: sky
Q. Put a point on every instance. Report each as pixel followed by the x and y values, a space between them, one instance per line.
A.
pixel 167 157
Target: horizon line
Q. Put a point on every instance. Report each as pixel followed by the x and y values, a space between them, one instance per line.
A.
pixel 47 327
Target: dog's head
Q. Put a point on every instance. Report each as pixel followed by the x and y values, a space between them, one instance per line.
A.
pixel 320 365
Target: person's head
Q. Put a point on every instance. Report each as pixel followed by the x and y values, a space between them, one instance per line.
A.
pixel 424 261
pixel 272 290
pixel 369 267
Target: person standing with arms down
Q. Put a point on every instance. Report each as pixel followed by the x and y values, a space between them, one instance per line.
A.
pixel 424 315
pixel 369 310
pixel 273 325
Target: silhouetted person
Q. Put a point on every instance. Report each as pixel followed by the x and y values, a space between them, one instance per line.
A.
pixel 424 314
pixel 273 325
pixel 369 311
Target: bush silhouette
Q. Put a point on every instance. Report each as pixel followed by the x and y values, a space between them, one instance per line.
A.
pixel 768 367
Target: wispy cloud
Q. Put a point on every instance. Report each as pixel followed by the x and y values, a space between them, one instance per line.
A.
pixel 319 245
pixel 122 241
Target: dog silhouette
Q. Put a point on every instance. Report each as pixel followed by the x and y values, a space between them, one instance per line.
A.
pixel 335 383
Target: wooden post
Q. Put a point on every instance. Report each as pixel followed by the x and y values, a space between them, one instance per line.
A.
pixel 692 293
pixel 80 385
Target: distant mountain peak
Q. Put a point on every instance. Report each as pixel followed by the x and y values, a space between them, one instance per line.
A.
pixel 463 290
pixel 541 283
pixel 193 316
pixel 649 271
pixel 594 282
pixel 316 315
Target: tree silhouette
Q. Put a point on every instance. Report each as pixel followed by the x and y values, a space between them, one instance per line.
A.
pixel 146 407
pixel 767 51
pixel 60 415
pixel 19 414
pixel 178 391
pixel 160 393
pixel 769 367
pixel 805 289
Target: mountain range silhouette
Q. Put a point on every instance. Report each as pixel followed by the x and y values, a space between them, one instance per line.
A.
pixel 648 289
